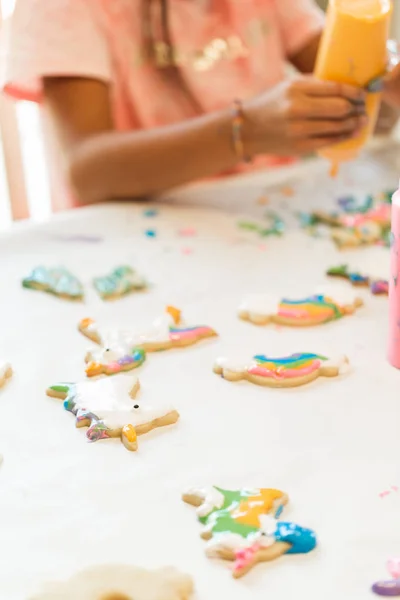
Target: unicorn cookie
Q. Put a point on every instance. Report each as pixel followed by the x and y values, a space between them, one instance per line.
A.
pixel 5 372
pixel 57 281
pixel 122 350
pixel 242 526
pixel 120 282
pixel 109 409
pixel 317 309
pixel 353 230
pixel 290 371
pixel 120 582
pixel 343 272
pixel 379 287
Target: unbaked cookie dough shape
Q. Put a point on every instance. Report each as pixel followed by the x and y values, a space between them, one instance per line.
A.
pixel 5 372
pixel 322 307
pixel 243 526
pixel 57 281
pixel 110 409
pixel 120 582
pixel 122 350
pixel 289 371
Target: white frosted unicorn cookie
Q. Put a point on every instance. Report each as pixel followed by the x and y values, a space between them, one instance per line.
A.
pixel 5 372
pixel 325 305
pixel 120 582
pixel 122 350
pixel 289 371
pixel 109 408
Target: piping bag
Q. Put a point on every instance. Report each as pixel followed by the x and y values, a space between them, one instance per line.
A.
pixel 354 49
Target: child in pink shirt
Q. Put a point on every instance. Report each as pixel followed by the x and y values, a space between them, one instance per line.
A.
pixel 140 94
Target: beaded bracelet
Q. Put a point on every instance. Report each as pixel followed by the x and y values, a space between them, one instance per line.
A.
pixel 237 132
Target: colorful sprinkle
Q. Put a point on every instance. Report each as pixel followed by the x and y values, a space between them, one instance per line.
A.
pixel 187 232
pixel 349 204
pixel 151 233
pixel 277 225
pixel 151 212
pixel 385 493
pixel 393 566
pixel 248 226
pixel 87 239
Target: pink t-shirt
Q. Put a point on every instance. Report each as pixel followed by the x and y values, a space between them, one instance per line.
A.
pixel 225 49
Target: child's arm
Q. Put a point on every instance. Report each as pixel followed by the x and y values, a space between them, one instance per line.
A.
pixel 296 117
pixel 301 24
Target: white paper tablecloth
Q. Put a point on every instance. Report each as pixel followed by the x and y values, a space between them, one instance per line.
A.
pixel 332 446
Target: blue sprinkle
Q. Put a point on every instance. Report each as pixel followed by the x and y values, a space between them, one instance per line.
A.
pixel 151 233
pixel 151 212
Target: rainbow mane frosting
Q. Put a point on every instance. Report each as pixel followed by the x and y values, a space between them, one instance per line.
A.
pixel 296 365
pixel 318 309
pixel 188 333
pixel 97 366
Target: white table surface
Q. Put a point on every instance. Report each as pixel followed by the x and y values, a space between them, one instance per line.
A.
pixel 333 446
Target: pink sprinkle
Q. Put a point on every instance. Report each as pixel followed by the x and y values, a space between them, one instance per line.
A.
pixel 262 247
pixel 187 232
pixel 393 488
pixel 393 566
pixel 187 251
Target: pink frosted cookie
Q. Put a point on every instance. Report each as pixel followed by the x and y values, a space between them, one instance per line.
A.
pixel 289 371
pixel 5 372
pixel 122 350
pixel 120 582
pixel 109 408
pixel 322 307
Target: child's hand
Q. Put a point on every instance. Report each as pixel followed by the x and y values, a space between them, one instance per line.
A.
pixel 391 87
pixel 387 119
pixel 302 116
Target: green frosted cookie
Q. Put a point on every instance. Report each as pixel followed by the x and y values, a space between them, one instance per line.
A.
pixel 57 281
pixel 120 282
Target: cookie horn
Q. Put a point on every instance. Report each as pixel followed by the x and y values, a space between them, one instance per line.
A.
pixel 175 313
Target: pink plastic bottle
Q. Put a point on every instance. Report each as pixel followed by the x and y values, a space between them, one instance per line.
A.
pixel 394 285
